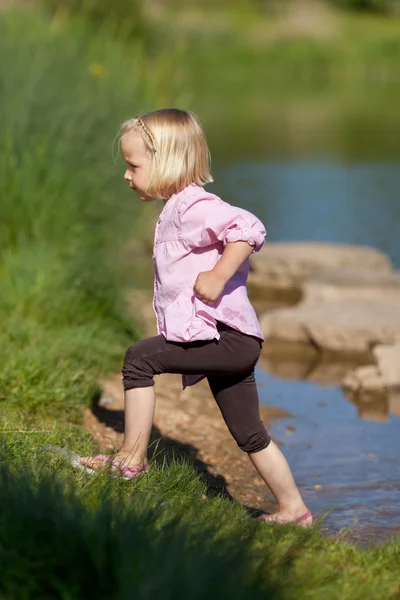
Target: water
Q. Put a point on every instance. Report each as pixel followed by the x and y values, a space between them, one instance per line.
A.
pixel 351 453
pixel 354 464
pixel 320 201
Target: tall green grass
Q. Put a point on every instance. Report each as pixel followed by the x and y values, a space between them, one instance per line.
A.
pixel 64 213
pixel 119 17
pixel 385 6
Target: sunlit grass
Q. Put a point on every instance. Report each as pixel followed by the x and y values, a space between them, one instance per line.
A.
pixel 92 536
pixel 65 214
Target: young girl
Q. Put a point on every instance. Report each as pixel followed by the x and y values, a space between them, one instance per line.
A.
pixel 206 324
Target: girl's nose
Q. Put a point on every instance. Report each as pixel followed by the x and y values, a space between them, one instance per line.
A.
pixel 127 175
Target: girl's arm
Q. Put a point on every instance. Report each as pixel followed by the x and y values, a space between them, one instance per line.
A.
pixel 209 285
pixel 234 254
pixel 204 221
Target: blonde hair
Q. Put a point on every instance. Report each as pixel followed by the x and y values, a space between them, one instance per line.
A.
pixel 178 147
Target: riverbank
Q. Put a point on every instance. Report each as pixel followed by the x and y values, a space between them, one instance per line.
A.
pixel 188 424
pixel 189 508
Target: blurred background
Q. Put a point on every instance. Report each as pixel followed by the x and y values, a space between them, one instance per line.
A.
pixel 300 102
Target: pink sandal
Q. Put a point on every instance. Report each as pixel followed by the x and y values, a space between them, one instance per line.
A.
pixel 300 521
pixel 103 459
pixel 119 471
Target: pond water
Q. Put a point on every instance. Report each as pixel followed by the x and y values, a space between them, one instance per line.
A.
pixel 321 201
pixel 347 468
pixel 351 453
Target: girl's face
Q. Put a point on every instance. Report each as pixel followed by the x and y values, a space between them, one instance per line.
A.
pixel 138 164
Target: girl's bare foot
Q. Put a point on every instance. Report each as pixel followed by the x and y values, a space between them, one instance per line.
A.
pixel 302 518
pixel 127 458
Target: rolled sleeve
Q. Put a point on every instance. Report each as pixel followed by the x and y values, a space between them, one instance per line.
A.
pixel 208 221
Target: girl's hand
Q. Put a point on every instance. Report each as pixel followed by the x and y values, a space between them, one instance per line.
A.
pixel 208 287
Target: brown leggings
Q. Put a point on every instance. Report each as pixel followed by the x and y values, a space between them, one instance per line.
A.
pixel 228 364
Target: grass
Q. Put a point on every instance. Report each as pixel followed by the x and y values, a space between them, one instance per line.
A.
pixel 65 214
pixel 342 69
pixel 67 535
pixel 64 225
pixel 287 86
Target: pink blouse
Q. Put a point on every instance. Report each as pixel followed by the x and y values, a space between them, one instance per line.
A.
pixel 190 237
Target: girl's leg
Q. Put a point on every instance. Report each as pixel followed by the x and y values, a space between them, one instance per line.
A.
pixel 139 414
pixel 140 404
pixel 153 356
pixel 143 360
pixel 274 469
pixel 237 398
pixel 236 395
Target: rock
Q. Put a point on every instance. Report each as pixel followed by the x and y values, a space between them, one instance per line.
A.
pixel 351 381
pixel 372 405
pixel 286 325
pixel 304 362
pixel 285 369
pixel 287 265
pixel 329 372
pixel 288 361
pixel 375 409
pixel 366 379
pixel 394 402
pixel 338 285
pixel 388 360
pixel 349 326
pixel 106 401
pixel 384 376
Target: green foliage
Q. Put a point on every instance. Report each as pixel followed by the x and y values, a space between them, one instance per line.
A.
pixel 122 17
pixel 64 212
pixel 367 5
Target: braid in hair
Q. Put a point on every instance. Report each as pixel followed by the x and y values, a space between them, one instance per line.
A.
pixel 148 134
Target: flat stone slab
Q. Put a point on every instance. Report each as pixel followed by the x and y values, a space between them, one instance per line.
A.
pixel 388 361
pixel 381 377
pixel 367 379
pixel 349 326
pixel 287 265
pixel 338 285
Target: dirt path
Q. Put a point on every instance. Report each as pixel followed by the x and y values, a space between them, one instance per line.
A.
pixel 187 423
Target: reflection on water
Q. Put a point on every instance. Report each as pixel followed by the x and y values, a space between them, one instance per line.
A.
pixel 299 362
pixel 320 201
pixel 376 407
pixel 303 361
pixel 341 463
